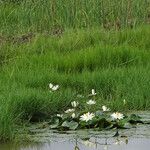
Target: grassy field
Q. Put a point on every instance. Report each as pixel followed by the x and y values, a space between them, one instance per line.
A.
pixel 21 16
pixel 79 49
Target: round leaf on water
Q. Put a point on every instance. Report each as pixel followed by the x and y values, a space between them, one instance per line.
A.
pixel 103 123
pixel 98 113
pixel 135 117
pixel 72 125
pixel 54 123
pixel 127 125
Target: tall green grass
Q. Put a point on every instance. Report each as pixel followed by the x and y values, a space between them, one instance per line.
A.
pixel 104 54
pixel 115 63
pixel 42 15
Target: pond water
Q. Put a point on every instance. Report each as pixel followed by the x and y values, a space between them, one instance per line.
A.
pixel 135 138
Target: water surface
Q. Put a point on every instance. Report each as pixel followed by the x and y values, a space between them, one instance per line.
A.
pixel 136 138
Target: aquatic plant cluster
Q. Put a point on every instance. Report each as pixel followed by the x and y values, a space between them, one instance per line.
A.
pixel 76 118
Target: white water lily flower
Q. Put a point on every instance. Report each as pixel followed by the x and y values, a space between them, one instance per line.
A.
pixel 50 85
pixel 53 87
pixel 89 144
pixel 91 102
pixel 86 117
pixel 93 92
pixel 56 87
pixel 104 108
pixel 60 115
pixel 73 115
pixel 74 104
pixel 117 115
pixel 80 96
pixel 124 102
pixel 69 110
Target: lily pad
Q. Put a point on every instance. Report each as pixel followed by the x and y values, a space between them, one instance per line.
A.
pixel 134 119
pixel 98 113
pixel 54 123
pixel 72 125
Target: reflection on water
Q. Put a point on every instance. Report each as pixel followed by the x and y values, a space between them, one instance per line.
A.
pixel 135 138
pixel 91 144
pixel 89 141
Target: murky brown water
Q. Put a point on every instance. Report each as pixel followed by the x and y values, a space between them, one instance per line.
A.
pixel 137 138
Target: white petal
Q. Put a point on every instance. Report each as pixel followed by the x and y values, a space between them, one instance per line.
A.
pixel 86 117
pixel 91 102
pixel 69 110
pixel 73 115
pixel 93 92
pixel 50 85
pixel 104 108
pixel 74 104
pixel 60 115
pixel 55 87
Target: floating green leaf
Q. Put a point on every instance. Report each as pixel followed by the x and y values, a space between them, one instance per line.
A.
pixel 134 119
pixel 54 123
pixel 72 125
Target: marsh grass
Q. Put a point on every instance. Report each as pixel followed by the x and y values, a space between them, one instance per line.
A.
pixel 95 49
pixel 115 63
pixel 39 15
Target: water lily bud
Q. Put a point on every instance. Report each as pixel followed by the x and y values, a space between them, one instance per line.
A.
pixel 50 85
pixel 73 115
pixel 104 108
pixel 91 102
pixel 60 115
pixel 124 102
pixel 53 87
pixel 74 104
pixel 56 87
pixel 93 92
pixel 69 110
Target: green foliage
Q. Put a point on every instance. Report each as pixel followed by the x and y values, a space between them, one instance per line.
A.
pixel 115 63
pixel 72 125
pixel 100 122
pixel 42 15
pixel 54 123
